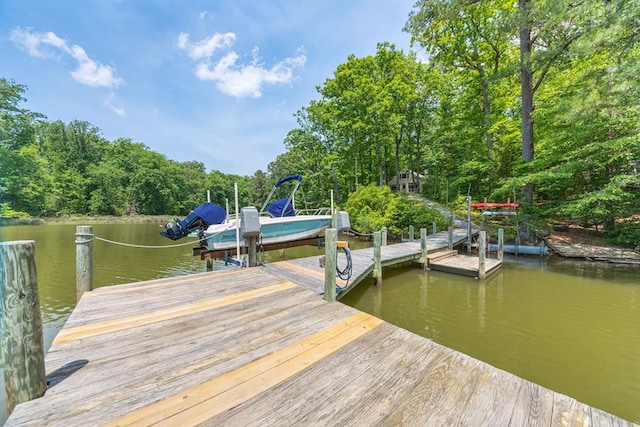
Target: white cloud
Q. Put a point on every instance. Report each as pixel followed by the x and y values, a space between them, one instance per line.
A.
pixel 205 48
pixel 109 102
pixel 232 78
pixel 43 45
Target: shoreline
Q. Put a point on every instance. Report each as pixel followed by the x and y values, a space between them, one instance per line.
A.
pixel 141 219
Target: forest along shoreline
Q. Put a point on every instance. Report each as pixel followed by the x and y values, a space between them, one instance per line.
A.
pixel 142 219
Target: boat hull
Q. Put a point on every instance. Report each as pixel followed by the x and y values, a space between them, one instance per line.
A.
pixel 272 230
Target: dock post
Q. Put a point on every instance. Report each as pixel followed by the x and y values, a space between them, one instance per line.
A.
pixel 469 222
pixel 450 237
pixel 334 218
pixel 383 242
pixel 22 338
pixel 411 233
pixel 253 252
pixel 482 248
pixel 377 257
pixel 84 260
pixel 435 227
pixel 330 261
pixel 424 260
pixel 500 244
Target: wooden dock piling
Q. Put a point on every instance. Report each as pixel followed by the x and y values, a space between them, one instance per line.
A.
pixel 84 260
pixel 377 257
pixel 482 250
pixel 500 244
pixel 253 251
pixel 330 260
pixel 22 342
pixel 424 260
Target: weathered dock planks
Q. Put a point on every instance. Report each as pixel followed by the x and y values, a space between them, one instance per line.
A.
pixel 464 265
pixel 311 274
pixel 594 253
pixel 251 347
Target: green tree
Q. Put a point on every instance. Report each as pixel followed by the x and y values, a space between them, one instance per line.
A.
pixel 368 208
pixel 259 187
pixel 24 181
pixel 70 149
pixel 372 207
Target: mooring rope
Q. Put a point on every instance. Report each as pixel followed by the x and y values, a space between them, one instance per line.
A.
pixel 351 230
pixel 133 245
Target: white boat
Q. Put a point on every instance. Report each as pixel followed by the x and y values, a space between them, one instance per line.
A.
pixel 272 230
pixel 278 222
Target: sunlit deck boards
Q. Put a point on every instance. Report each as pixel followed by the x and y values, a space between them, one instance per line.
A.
pixel 310 274
pixel 249 348
pixel 464 265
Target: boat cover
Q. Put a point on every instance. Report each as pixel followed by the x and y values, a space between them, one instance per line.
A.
pixel 200 218
pixel 277 208
pixel 288 178
pixel 210 213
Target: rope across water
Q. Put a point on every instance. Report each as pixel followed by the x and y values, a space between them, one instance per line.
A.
pixel 133 245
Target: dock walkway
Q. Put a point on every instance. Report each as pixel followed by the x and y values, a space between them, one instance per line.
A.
pixel 309 272
pixel 251 348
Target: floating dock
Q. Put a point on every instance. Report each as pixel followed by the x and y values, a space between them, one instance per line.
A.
pixel 463 265
pixel 249 347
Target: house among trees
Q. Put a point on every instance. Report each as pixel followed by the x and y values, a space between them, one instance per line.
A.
pixel 409 181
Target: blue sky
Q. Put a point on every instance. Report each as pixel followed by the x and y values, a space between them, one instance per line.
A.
pixel 212 81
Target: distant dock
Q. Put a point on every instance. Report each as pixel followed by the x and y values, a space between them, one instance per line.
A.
pixel 309 272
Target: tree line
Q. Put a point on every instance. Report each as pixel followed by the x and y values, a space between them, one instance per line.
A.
pixel 533 101
pixel 61 169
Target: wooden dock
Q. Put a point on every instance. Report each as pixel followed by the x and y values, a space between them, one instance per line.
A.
pixel 309 271
pixel 249 347
pixel 463 265
pixel 594 253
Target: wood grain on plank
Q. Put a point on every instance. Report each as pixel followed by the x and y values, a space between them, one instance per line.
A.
pixel 139 380
pixel 295 398
pixel 534 405
pixel 219 394
pixel 308 271
pixel 569 412
pixel 155 284
pixel 69 334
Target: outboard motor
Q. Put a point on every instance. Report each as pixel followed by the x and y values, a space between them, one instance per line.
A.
pixel 199 219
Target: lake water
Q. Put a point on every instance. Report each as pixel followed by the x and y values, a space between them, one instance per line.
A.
pixel 569 326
